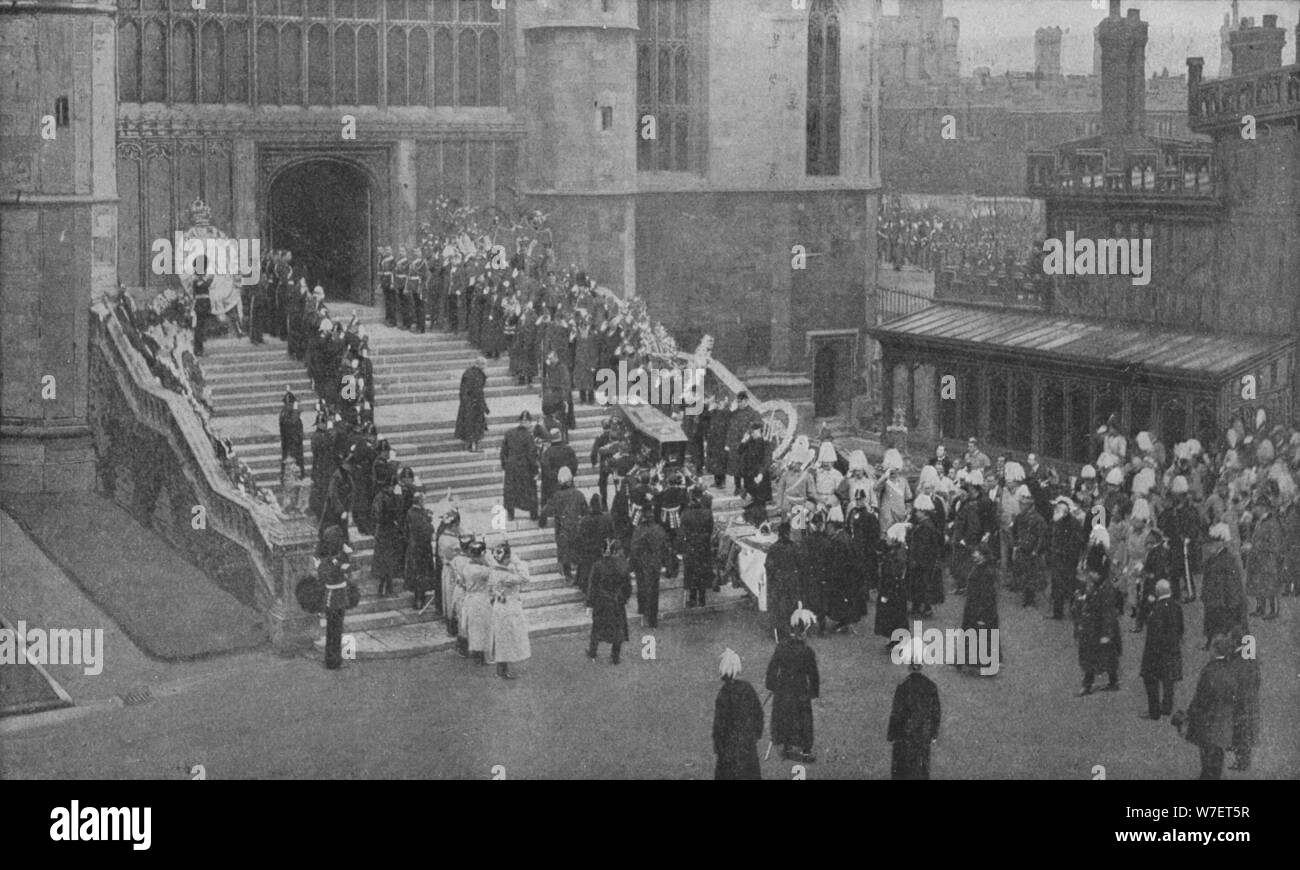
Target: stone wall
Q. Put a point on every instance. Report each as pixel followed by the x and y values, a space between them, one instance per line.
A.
pixel 721 262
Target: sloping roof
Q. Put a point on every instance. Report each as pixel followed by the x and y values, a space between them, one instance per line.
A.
pixel 1065 338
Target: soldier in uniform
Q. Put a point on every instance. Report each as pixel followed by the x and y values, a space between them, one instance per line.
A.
pixel 419 572
pixel 386 564
pixel 651 554
pixel 387 263
pixel 1181 524
pixel 400 272
pixel 414 295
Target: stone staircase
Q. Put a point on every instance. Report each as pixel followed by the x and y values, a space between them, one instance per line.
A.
pixel 416 394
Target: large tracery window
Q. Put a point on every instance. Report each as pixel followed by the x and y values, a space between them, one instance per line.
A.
pixel 312 52
pixel 667 85
pixel 823 116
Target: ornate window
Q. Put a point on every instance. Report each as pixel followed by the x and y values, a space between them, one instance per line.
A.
pixel 668 76
pixel 312 52
pixel 823 111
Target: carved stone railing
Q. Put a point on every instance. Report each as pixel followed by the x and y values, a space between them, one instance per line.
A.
pixel 780 418
pixel 1268 95
pixel 279 548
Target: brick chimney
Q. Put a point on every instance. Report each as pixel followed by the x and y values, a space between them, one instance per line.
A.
pixel 1123 42
pixel 1256 48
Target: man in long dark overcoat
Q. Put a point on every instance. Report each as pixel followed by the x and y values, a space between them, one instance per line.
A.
pixel 609 589
pixel 1162 654
pixel 913 725
pixel 471 416
pixel 519 461
pixel 793 680
pixel 737 724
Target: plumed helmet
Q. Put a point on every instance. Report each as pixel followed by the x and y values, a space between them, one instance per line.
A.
pixel 1100 536
pixel 1013 473
pixel 975 478
pixel 893 460
pixel 1179 485
pixel 1141 510
pixel 929 477
pixel 826 453
pixel 1144 441
pixel 802 618
pixel 1233 436
pixel 1088 473
pixel 565 476
pixel 1264 452
pixel 1220 532
pixel 858 461
pixel 1144 481
pixel 1115 477
pixel 729 664
pixel 897 533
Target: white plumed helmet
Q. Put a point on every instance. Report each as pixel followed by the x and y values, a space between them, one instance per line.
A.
pixel 923 503
pixel 1115 477
pixel 1014 472
pixel 1088 472
pixel 897 533
pixel 1144 441
pixel 1144 481
pixel 893 460
pixel 929 476
pixel 1099 535
pixel 1179 485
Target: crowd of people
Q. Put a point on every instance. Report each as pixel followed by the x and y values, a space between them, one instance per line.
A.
pixel 931 240
pixel 1143 530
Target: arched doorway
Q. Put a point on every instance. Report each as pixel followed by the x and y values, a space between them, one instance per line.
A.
pixel 323 211
pixel 825 364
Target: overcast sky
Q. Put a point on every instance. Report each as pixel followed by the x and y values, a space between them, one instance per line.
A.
pixel 999 34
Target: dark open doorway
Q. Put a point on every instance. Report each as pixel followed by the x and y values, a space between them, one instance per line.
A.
pixel 825 374
pixel 322 211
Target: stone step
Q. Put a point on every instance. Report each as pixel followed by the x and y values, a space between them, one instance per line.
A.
pixel 241 390
pixel 497 423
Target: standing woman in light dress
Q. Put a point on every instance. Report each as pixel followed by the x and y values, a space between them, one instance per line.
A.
pixel 509 638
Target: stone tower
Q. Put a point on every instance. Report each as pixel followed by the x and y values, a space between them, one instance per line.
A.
pixel 579 109
pixel 1047 52
pixel 58 231
pixel 1256 48
pixel 1123 42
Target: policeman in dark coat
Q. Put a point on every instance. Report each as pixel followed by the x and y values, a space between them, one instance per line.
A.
pixel 419 552
pixel 737 724
pixel 864 528
pixel 1162 655
pixel 794 681
pixel 695 541
pixel 519 461
pixel 891 601
pixel 651 554
pixel 390 542
pixel 333 575
pixel 471 416
pixel 558 455
pixel 913 725
pixel 1210 715
pixel 1098 633
pixel 322 464
pixel 610 588
pixel 291 434
pixel 967 533
pixel 924 558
